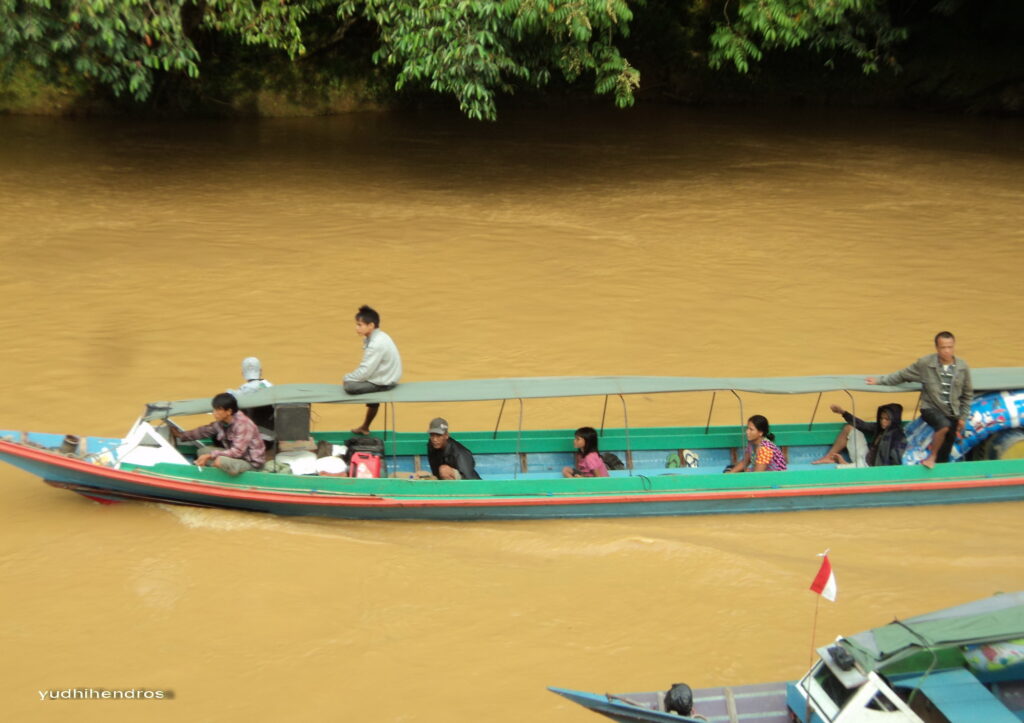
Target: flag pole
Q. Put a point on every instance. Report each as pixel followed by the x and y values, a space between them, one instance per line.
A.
pixel 814 630
pixel 814 627
pixel 824 584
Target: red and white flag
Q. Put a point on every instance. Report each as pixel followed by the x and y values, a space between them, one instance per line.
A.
pixel 825 581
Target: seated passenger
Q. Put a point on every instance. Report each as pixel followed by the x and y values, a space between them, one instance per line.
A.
pixel 588 459
pixel 449 460
pixel 679 700
pixel 240 447
pixel 253 373
pixel 762 454
pixel 887 444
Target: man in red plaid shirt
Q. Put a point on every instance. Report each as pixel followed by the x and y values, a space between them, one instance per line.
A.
pixel 240 447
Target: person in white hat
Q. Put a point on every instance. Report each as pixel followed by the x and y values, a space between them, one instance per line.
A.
pixel 252 372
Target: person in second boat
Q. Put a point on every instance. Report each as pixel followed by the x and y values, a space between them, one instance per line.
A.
pixel 888 441
pixel 762 454
pixel 449 460
pixel 588 459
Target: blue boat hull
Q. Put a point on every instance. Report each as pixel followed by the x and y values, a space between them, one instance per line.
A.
pixel 763 703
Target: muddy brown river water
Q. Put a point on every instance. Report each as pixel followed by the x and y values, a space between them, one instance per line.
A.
pixel 143 261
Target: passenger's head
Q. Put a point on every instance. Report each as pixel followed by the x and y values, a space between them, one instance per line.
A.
pixel 367 321
pixel 251 368
pixel 757 428
pixel 224 406
pixel 945 345
pixel 679 699
pixel 438 431
pixel 585 440
pixel 889 415
pixel 368 315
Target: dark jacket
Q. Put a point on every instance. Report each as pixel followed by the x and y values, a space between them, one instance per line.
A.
pixel 885 448
pixel 454 455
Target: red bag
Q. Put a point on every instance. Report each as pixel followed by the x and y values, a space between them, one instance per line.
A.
pixel 364 465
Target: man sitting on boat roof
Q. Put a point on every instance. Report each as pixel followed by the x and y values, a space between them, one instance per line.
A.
pixel 449 460
pixel 381 367
pixel 240 446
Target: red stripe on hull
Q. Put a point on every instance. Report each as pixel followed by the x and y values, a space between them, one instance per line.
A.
pixel 101 500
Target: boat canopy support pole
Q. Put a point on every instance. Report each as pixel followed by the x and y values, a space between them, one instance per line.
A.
pixel 519 437
pixel 743 419
pixel 625 422
pixel 394 436
pixel 814 413
pixel 498 423
pixel 853 402
pixel 712 409
pixel 604 413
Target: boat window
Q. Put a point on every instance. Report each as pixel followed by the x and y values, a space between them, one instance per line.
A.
pixel 881 702
pixel 836 691
pixel 825 690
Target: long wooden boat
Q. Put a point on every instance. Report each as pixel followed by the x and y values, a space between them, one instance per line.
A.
pixel 964 664
pixel 521 468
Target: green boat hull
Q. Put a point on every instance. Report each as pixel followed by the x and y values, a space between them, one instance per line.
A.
pixel 542 494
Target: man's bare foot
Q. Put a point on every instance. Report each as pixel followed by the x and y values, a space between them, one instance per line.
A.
pixel 828 459
pixel 928 461
pixel 360 430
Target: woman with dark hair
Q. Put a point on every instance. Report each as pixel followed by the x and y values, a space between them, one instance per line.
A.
pixel 762 454
pixel 588 459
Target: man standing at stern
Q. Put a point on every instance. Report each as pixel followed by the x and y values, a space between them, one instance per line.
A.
pixel 946 394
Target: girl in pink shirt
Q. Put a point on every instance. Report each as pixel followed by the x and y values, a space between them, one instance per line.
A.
pixel 588 459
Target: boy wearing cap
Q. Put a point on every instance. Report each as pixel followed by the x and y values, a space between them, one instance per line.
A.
pixel 381 367
pixel 449 460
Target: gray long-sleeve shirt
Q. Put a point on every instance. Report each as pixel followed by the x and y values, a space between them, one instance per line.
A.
pixel 381 364
pixel 926 371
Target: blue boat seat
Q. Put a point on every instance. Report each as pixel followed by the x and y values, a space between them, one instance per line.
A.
pixel 960 696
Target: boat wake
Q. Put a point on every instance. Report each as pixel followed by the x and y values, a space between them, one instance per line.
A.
pixel 208 518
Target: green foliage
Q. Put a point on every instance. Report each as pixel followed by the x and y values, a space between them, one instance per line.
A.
pixel 123 43
pixel 472 50
pixel 860 28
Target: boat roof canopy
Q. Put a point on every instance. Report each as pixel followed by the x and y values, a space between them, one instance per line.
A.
pixel 475 390
pixel 991 620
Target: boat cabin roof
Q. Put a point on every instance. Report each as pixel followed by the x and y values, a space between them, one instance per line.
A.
pixel 991 620
pixel 473 390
